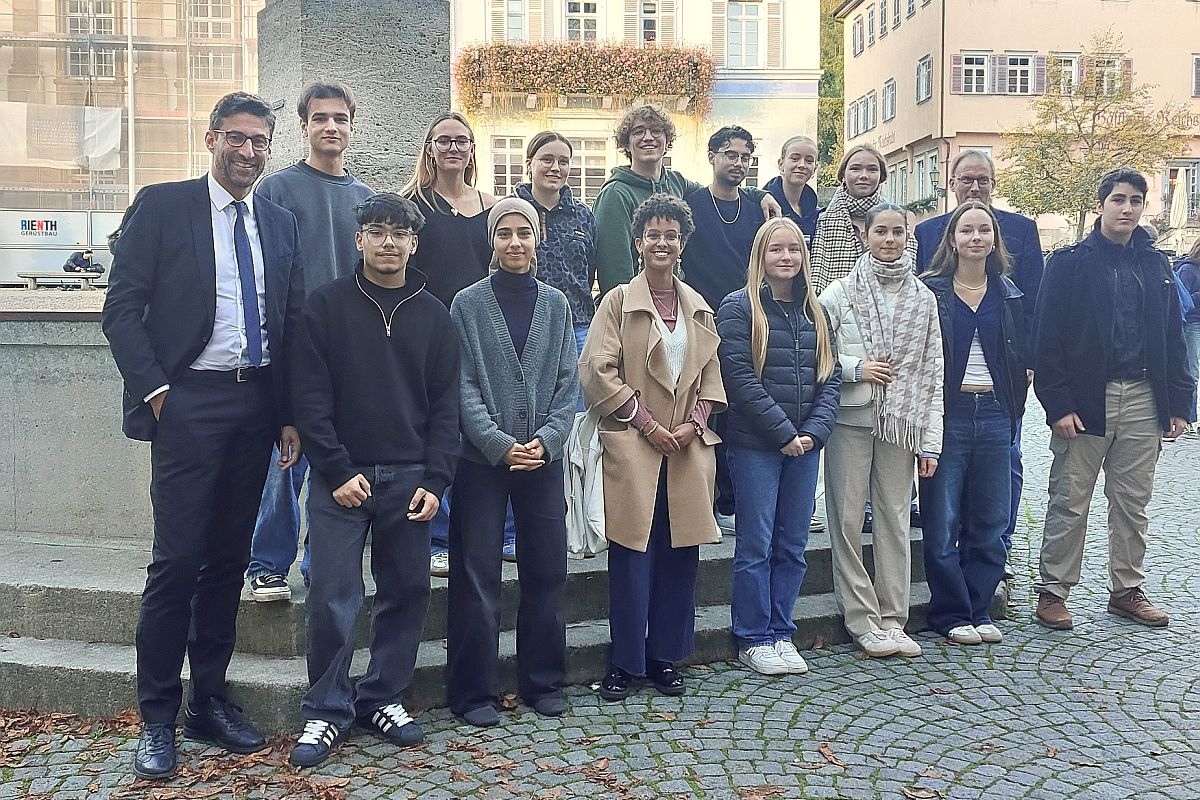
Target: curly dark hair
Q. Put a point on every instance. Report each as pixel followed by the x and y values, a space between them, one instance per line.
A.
pixel 650 115
pixel 663 206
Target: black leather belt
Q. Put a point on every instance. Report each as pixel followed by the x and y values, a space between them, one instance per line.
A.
pixel 239 375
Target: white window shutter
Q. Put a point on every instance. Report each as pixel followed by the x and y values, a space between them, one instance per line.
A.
pixel 666 23
pixel 774 34
pixel 720 11
pixel 498 20
pixel 535 20
pixel 633 23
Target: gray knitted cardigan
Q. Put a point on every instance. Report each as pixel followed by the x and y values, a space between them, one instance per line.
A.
pixel 504 400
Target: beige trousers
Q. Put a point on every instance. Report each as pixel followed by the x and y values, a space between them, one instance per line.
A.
pixel 1128 453
pixel 858 465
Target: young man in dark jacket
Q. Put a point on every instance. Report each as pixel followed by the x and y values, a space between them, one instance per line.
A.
pixel 1111 372
pixel 377 396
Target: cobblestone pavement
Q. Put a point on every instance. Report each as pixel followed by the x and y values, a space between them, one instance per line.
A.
pixel 1100 712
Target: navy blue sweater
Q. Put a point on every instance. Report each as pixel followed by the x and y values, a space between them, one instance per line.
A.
pixel 767 412
pixel 716 255
pixel 809 210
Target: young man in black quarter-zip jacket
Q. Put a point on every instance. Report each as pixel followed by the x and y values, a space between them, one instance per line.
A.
pixel 376 400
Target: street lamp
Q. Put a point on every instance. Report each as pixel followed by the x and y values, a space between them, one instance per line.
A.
pixel 934 174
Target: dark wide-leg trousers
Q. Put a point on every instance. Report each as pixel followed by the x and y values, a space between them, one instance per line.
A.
pixel 482 493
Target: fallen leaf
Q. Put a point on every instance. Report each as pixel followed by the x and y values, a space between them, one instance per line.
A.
pixel 664 715
pixel 818 642
pixel 920 793
pixel 508 702
pixel 600 764
pixel 827 753
pixel 1051 752
pixel 989 747
pixel 931 773
pixel 877 757
pixel 458 776
pixel 809 764
pixel 705 722
pixel 759 792
pixel 941 690
pixel 1082 763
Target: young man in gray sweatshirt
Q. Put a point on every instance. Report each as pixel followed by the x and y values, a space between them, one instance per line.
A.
pixel 322 194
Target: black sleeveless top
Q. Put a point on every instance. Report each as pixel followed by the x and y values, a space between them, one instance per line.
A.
pixel 452 249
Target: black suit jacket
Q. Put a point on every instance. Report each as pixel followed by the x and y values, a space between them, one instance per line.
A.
pixel 162 294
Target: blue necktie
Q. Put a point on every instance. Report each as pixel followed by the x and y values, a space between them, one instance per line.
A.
pixel 245 264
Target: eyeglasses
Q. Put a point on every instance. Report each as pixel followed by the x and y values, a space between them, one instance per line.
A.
pixel 550 161
pixel 640 131
pixel 982 182
pixel 445 143
pixel 670 237
pixel 377 236
pixel 236 139
pixel 733 156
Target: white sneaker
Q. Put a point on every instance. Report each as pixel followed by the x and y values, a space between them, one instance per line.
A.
pixel 989 633
pixel 964 634
pixel 904 645
pixel 763 659
pixel 439 565
pixel 877 644
pixel 791 656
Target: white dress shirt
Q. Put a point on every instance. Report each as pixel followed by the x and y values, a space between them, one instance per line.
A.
pixel 226 349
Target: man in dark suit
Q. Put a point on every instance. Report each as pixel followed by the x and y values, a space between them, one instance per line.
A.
pixel 972 177
pixel 206 289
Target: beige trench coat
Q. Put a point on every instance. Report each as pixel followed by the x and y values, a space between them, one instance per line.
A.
pixel 615 363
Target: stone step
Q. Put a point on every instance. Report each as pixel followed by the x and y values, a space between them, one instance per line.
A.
pixel 60 589
pixel 97 679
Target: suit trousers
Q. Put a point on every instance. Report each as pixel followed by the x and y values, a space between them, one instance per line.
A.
pixel 208 464
pixel 482 493
pixel 1128 453
pixel 859 465
pixel 399 565
pixel 652 595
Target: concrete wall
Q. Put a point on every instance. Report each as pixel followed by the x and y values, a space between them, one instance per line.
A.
pixel 395 54
pixel 65 467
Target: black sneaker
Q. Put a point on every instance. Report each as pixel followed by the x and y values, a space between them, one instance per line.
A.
pixel 269 588
pixel 393 723
pixel 615 685
pixel 665 677
pixel 156 758
pixel 316 742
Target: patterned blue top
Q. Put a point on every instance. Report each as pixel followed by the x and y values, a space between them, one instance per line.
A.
pixel 566 254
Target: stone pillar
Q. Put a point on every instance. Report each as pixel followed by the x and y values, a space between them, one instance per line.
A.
pixel 395 54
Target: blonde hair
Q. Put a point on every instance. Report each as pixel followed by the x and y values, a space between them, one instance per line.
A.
pixel 425 172
pixel 798 140
pixel 756 274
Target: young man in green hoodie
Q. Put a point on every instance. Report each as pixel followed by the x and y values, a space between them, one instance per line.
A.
pixel 644 135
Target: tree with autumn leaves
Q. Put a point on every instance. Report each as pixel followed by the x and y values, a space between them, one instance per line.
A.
pixel 1090 120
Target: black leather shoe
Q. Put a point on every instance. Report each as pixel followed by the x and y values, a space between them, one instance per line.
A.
pixel 665 677
pixel 155 759
pixel 221 723
pixel 615 685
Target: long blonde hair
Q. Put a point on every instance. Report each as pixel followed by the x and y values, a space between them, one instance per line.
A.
pixel 756 275
pixel 425 173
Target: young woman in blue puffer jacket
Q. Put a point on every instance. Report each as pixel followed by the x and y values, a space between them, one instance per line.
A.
pixel 781 378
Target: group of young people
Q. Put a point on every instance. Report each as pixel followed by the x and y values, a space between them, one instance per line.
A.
pixel 427 352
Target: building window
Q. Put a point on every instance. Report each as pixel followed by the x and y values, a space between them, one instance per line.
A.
pixel 931 166
pixel 87 62
pixel 921 188
pixel 508 163
pixel 924 79
pixel 1064 72
pixel 79 61
pixel 90 17
pixel 912 7
pixel 514 20
pixel 744 36
pixel 104 62
pixel 1107 75
pixel 1196 76
pixel 871 25
pixel 872 114
pixel 895 14
pixel 1020 74
pixel 212 19
pixel 901 195
pixel 889 100
pixel 649 24
pixel 975 73
pixel 581 21
pixel 852 125
pixel 856 35
pixel 589 167
pixel 883 17
pixel 211 65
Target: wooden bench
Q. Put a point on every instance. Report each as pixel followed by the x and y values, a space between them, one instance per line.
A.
pixel 86 279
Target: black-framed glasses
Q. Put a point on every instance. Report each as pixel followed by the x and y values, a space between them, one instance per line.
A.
pixel 460 143
pixel 982 182
pixel 733 156
pixel 377 236
pixel 236 139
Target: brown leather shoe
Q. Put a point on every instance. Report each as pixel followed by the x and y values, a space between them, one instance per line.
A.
pixel 1052 612
pixel 1132 604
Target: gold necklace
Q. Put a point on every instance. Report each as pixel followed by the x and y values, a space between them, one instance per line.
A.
pixel 972 288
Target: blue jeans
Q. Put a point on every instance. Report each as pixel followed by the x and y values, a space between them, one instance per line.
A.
pixel 439 527
pixel 775 502
pixel 277 528
pixel 1191 337
pixel 1017 483
pixel 964 558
